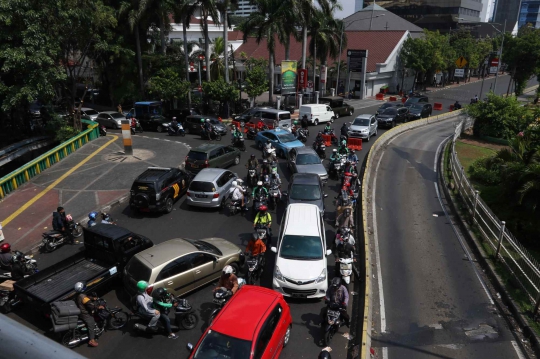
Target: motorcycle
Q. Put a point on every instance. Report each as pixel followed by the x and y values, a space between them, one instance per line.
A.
pixel 332 323
pixel 236 206
pixel 221 297
pixel 320 148
pixel 240 143
pixel 269 153
pixel 27 263
pixel 332 135
pixel 114 318
pixel 253 177
pixel 354 182
pixel 262 233
pixel 102 130
pixel 53 239
pixel 214 135
pixel 251 133
pixel 336 167
pixel 301 135
pixel 184 317
pixel 255 266
pixel 274 196
pixel 343 140
pixel 345 269
pixel 136 128
pixel 258 202
pixel 178 131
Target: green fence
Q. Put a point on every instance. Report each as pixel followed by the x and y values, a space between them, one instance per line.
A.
pixel 12 181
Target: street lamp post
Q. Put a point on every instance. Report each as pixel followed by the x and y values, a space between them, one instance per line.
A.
pixel 500 57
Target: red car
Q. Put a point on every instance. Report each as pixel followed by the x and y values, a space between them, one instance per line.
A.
pixel 255 323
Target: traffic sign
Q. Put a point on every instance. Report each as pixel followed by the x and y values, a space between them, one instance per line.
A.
pixel 459 73
pixel 495 62
pixel 493 69
pixel 310 84
pixel 461 62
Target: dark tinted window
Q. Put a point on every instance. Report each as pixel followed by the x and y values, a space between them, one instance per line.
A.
pixel 284 116
pixel 269 115
pixel 197 156
pixel 176 267
pixel 143 187
pixel 228 149
pixel 200 259
pixel 117 115
pixel 137 270
pixel 390 111
pixel 216 153
pixel 199 186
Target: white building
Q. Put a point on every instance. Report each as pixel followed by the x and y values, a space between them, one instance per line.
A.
pixel 487 10
pixel 244 8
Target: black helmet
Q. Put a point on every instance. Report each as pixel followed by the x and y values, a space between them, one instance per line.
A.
pixel 159 293
pixel 324 355
pixel 336 282
pixel 252 155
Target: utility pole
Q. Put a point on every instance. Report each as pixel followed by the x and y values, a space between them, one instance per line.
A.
pixel 500 58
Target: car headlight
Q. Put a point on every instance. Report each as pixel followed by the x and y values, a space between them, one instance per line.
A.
pixel 278 274
pixel 321 277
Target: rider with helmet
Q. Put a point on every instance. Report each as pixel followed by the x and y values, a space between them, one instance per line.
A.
pixel 5 256
pixel 337 295
pixel 319 139
pixel 259 190
pixel 228 280
pixel 237 194
pixel 87 306
pixel 328 129
pixel 264 219
pixel 174 124
pixel 256 245
pixel 235 134
pixel 207 128
pixel 324 354
pixel 106 219
pixel 265 168
pixel 345 219
pixel 145 305
pixel 92 218
pixel 162 301
pixel 352 158
pixel 252 162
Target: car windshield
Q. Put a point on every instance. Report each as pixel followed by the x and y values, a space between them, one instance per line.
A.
pixel 117 115
pixel 417 107
pixel 284 116
pixel 386 105
pixel 205 246
pixel 301 247
pixel 361 122
pixel 197 156
pixel 287 137
pixel 200 186
pixel 305 192
pixel 217 345
pixel 390 111
pixel 138 270
pixel 309 159
pixel 413 100
pixel 91 112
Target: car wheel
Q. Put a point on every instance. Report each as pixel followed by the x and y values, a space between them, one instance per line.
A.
pixel 237 160
pixel 287 336
pixel 260 145
pixel 316 122
pixel 336 116
pixel 367 139
pixel 168 205
pixel 159 129
pixel 351 112
pixel 235 268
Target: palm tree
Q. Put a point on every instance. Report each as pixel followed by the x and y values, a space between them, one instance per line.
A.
pixel 342 66
pixel 184 12
pixel 134 17
pixel 217 66
pixel 160 9
pixel 208 9
pixel 223 7
pixel 267 23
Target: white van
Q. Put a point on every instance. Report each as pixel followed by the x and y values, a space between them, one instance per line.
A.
pixel 317 113
pixel 300 270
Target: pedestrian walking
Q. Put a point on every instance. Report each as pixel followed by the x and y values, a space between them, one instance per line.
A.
pixel 119 108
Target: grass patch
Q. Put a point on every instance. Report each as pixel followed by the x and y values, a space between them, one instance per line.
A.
pixel 468 153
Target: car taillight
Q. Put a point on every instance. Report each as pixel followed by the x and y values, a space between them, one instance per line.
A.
pixel 216 195
pixel 188 194
pixel 206 164
pixel 149 290
pixel 187 159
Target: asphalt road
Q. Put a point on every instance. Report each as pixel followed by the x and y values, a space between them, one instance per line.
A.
pixel 201 223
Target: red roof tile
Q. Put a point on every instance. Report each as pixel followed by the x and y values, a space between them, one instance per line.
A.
pixel 379 43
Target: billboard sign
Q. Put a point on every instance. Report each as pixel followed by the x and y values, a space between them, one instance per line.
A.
pixel 288 77
pixel 356 59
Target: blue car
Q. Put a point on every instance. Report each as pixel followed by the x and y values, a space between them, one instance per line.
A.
pixel 282 140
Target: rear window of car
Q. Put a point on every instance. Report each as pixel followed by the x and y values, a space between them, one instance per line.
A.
pixel 137 270
pixel 200 186
pixel 197 156
pixel 91 112
pixel 285 116
pixel 390 111
pixel 117 115
pixel 143 187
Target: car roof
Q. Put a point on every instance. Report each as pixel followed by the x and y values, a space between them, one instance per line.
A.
pixel 166 251
pixel 110 112
pixel 273 110
pixel 209 174
pixel 315 104
pixel 148 103
pixel 207 147
pixel 87 108
pixel 303 219
pixel 153 174
pixel 276 132
pixel 363 116
pixel 305 178
pixel 232 319
pixel 106 230
pixel 304 150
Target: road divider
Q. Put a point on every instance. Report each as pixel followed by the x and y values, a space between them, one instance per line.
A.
pixel 437 106
pixel 354 144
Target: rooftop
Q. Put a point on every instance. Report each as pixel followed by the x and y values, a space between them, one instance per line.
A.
pixel 380 19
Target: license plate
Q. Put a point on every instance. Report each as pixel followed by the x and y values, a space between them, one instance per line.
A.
pixel 194 166
pixel 201 196
pixel 297 295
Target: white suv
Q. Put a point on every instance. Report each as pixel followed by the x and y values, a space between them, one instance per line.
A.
pixel 300 269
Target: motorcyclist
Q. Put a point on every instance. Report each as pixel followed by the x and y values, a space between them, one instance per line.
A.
pixel 5 256
pixel 305 123
pixel 92 219
pixel 344 246
pixel 228 280
pixel 318 140
pixel 275 182
pixel 255 246
pixel 352 158
pixel 345 219
pixel 259 190
pixel 264 219
pixel 343 150
pixel 267 148
pixel 457 105
pixel 252 162
pixel 59 220
pixel 106 219
pixel 237 194
pixel 87 306
pixel 162 301
pixel 174 124
pixel 337 295
pixel 265 168
pixel 343 202
pixel 235 134
pixel 207 127
pixel 344 131
pixel 145 305
pixel 334 156
pixel 327 129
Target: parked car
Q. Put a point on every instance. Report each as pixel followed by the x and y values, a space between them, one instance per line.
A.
pixel 300 269
pixel 249 113
pixel 211 155
pixel 181 265
pixel 317 113
pixel 89 113
pixel 338 105
pixel 420 110
pixel 306 188
pixel 157 188
pixel 282 140
pixel 192 124
pixel 306 160
pixel 110 119
pixel 255 323
pixel 386 105
pixel 363 126
pixel 210 188
pixel 416 99
pixel 154 123
pixel 392 116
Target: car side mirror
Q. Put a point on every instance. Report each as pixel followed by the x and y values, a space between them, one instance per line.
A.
pixel 214 259
pixel 328 252
pixel 189 347
pixel 285 193
pixel 273 249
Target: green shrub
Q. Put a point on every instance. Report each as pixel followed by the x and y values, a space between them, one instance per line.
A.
pixel 485 171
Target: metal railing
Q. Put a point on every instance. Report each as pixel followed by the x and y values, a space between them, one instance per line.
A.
pixel 519 263
pixel 13 180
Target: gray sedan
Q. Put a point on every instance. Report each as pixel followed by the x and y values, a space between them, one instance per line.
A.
pixel 306 188
pixel 110 119
pixel 306 160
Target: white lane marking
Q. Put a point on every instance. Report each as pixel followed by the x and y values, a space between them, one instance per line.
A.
pixel 461 241
pixel 382 310
pixel 385 352
pixel 437 155
pixel 518 350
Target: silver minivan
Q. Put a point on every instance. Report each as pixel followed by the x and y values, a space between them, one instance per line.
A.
pixel 210 188
pixel 364 126
pixel 272 116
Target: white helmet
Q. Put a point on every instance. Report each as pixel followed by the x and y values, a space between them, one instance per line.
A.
pixel 234 183
pixel 207 120
pixel 259 183
pixel 334 150
pixel 228 270
pixel 174 118
pixel 79 287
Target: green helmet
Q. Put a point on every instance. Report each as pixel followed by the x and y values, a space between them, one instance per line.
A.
pixel 142 285
pixel 202 119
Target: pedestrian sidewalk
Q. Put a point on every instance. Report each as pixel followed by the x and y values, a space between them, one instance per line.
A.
pixel 94 177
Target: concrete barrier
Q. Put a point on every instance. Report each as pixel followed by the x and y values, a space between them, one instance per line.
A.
pixel 437 106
